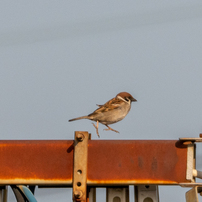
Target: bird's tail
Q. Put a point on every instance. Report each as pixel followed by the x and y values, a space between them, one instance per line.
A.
pixel 82 117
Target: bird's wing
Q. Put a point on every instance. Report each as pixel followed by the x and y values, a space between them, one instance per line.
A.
pixel 108 106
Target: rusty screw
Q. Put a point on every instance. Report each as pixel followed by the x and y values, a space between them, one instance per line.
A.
pixel 78 194
pixel 80 137
pixel 200 135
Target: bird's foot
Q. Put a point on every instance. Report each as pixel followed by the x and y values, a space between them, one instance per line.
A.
pixel 109 128
pixel 96 127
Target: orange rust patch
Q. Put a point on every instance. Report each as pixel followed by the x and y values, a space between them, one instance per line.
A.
pixel 46 160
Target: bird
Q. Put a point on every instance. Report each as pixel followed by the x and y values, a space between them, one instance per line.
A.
pixel 111 112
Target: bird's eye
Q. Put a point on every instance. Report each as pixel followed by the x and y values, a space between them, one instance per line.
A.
pixel 127 99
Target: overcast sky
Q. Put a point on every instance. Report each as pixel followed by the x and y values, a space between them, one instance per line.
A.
pixel 59 59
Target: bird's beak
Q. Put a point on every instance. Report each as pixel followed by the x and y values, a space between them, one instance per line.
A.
pixel 133 100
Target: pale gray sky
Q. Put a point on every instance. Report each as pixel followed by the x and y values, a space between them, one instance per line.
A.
pixel 60 59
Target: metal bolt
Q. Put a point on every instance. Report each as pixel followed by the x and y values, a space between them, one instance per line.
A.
pixel 187 142
pixel 80 137
pixel 78 194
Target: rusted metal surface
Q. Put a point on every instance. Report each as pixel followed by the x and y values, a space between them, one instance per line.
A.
pixel 110 162
pixel 136 162
pixel 36 162
pixel 80 166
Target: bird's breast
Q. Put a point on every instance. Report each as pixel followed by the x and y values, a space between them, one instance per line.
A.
pixel 115 115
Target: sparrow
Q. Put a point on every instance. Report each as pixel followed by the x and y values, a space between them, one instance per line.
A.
pixel 111 112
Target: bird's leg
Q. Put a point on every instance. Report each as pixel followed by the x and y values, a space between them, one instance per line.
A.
pixel 96 127
pixel 109 128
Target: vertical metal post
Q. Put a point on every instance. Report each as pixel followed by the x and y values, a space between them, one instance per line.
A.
pixel 3 193
pixel 191 162
pixel 146 193
pixel 91 191
pixel 118 194
pixel 80 166
pixel 91 194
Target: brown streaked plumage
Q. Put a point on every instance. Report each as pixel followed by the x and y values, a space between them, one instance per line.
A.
pixel 111 112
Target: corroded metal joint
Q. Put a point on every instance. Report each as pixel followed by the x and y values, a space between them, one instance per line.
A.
pixel 80 137
pixel 80 166
pixel 78 194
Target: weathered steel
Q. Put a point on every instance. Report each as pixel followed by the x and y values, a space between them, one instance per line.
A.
pixel 110 162
pixel 36 162
pixel 80 166
pixel 136 162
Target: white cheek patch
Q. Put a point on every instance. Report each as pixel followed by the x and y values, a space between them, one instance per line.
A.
pixel 124 99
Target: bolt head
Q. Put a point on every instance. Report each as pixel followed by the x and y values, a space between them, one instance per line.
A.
pixel 78 194
pixel 80 137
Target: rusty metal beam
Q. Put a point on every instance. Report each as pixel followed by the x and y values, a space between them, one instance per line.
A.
pixel 136 162
pixel 110 162
pixel 36 162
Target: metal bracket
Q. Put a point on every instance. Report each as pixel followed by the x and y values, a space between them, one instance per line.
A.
pixel 192 173
pixel 145 193
pixel 80 166
pixel 192 194
pixel 190 140
pixel 120 194
pixel 190 162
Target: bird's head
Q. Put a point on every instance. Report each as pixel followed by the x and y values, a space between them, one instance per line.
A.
pixel 126 96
